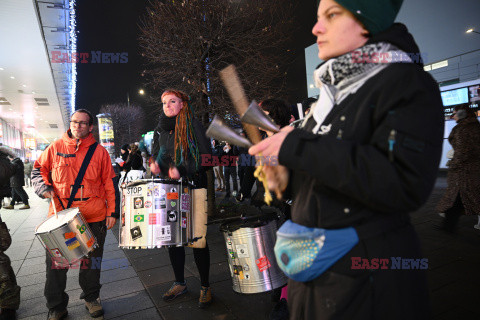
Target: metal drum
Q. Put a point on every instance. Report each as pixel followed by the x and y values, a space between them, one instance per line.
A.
pixel 251 258
pixel 68 236
pixel 156 213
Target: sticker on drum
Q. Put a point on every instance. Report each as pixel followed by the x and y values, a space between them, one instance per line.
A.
pixel 138 202
pixel 184 222
pixel 172 196
pixel 90 242
pixel 139 218
pixel 173 190
pixel 163 233
pixel 172 216
pixel 156 191
pixel 136 233
pixel 81 228
pixel 263 263
pixel 247 276
pixel 185 203
pixel 246 267
pixel 173 204
pixel 148 204
pixel 242 251
pixel 69 235
pixel 162 192
pixel 56 252
pixel 72 243
pixel 152 218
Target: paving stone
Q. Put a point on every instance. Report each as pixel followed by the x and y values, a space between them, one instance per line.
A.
pixel 109 264
pixel 33 261
pixel 127 304
pixel 31 279
pixel 110 255
pixel 160 259
pixel 31 269
pixel 31 292
pixel 160 275
pixel 150 313
pixel 261 302
pixel 189 309
pixel 121 287
pixel 117 274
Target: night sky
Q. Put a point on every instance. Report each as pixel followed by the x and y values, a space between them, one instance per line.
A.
pixel 112 26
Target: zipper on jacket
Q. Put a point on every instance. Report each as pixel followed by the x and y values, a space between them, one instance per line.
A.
pixel 339 135
pixel 391 143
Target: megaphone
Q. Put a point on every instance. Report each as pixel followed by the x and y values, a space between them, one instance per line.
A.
pixel 220 131
pixel 255 116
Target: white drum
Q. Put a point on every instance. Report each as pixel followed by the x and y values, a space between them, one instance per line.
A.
pixel 68 236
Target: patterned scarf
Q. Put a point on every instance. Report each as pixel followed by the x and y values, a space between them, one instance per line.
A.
pixel 339 77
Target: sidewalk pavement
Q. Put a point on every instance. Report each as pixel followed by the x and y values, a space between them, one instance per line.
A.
pixel 134 280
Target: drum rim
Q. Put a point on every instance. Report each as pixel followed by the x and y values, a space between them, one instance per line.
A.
pixel 53 215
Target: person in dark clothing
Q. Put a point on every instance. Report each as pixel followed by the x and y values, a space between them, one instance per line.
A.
pixel 179 141
pixel 217 151
pixel 230 154
pixel 463 180
pixel 9 290
pixel 134 159
pixel 17 182
pixel 366 156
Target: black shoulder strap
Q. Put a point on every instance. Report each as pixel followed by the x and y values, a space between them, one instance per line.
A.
pixel 81 172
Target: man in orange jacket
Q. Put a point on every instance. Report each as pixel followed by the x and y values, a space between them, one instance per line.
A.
pixel 53 175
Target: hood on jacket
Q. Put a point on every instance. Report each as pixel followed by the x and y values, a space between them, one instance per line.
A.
pixel 70 141
pixel 399 36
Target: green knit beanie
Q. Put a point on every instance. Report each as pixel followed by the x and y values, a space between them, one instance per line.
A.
pixel 376 15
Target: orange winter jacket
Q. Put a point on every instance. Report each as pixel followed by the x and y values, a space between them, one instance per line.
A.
pixel 58 167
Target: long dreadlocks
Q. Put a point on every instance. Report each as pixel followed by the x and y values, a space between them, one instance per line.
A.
pixel 185 139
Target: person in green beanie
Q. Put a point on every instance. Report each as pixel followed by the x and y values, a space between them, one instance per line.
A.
pixel 364 158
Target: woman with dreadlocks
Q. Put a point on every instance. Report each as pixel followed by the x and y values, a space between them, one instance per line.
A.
pixel 178 142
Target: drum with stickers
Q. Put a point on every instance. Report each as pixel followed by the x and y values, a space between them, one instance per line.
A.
pixel 67 235
pixel 156 213
pixel 250 243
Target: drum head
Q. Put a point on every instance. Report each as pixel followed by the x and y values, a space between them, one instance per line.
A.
pixel 248 222
pixel 52 222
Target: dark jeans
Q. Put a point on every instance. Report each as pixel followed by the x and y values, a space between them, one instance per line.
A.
pixel 248 181
pixel 230 172
pixel 202 260
pixel 20 193
pixel 89 278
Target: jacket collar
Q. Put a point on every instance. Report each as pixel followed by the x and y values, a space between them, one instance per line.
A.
pixel 84 143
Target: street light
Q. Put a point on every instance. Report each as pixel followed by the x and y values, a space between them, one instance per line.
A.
pixel 141 92
pixel 471 30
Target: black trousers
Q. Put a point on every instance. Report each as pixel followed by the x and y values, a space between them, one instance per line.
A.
pixel 89 277
pixel 248 181
pixel 19 192
pixel 9 290
pixel 202 260
pixel 230 172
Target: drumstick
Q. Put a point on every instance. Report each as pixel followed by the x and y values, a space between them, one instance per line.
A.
pixel 54 208
pixel 234 87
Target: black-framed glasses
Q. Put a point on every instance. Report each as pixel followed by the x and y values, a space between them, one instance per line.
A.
pixel 79 123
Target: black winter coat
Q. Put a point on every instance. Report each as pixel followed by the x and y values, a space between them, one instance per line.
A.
pixel 7 170
pixel 166 140
pixel 349 176
pixel 18 180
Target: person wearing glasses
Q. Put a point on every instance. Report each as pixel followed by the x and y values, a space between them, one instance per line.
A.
pixel 53 175
pixel 364 158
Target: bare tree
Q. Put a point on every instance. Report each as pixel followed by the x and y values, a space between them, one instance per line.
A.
pixel 187 42
pixel 128 123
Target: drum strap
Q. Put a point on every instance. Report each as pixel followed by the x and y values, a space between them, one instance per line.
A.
pixel 81 172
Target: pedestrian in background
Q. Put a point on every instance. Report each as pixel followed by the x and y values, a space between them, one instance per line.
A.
pixel 17 181
pixel 27 169
pixel 462 196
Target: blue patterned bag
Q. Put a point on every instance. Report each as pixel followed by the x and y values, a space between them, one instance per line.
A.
pixel 305 253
